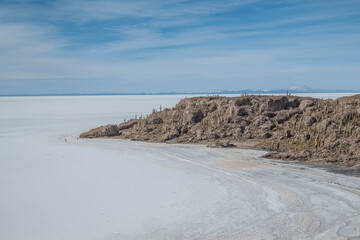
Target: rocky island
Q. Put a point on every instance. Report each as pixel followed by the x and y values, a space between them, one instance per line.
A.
pixel 289 127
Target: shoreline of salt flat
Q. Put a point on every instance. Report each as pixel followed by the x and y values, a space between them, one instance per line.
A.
pixel 276 194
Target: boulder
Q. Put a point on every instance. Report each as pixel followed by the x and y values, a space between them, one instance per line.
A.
pixel 277 104
pixel 243 102
pixel 173 133
pixel 282 117
pixel 103 131
pixel 268 126
pixel 267 135
pixel 294 103
pixel 157 120
pixel 305 103
pixel 310 120
pixel 127 125
pixel 269 114
pixel 193 116
pixel 242 112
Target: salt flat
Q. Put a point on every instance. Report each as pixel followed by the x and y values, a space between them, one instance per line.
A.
pixel 114 189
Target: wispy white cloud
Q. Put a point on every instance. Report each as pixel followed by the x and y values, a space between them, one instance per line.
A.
pixel 174 45
pixel 27 39
pixel 88 10
pixel 142 39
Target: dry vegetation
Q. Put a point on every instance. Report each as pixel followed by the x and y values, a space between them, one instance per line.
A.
pixel 290 127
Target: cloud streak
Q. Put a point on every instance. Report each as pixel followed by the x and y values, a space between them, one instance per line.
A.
pixel 152 46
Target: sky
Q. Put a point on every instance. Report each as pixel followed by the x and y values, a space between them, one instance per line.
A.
pixel 108 46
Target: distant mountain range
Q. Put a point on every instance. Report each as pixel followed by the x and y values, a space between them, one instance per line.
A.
pixel 293 89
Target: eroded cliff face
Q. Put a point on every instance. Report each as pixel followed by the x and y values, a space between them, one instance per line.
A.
pixel 290 127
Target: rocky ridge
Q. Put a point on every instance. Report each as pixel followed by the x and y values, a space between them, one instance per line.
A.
pixel 290 127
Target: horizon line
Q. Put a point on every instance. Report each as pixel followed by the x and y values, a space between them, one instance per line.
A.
pixel 275 91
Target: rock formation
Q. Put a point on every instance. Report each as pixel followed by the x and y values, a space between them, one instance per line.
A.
pixel 308 129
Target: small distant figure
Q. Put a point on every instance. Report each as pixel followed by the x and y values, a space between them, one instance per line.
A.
pixel 65 140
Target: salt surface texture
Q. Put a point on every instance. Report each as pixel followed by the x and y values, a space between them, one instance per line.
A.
pixel 113 189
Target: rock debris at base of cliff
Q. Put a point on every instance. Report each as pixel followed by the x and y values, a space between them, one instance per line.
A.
pixel 290 127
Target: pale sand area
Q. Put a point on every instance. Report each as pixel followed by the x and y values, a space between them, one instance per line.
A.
pixel 106 189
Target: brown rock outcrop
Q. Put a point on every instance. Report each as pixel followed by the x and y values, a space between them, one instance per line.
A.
pixel 289 127
pixel 103 131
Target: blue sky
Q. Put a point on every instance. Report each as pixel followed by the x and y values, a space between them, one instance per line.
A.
pixel 82 46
